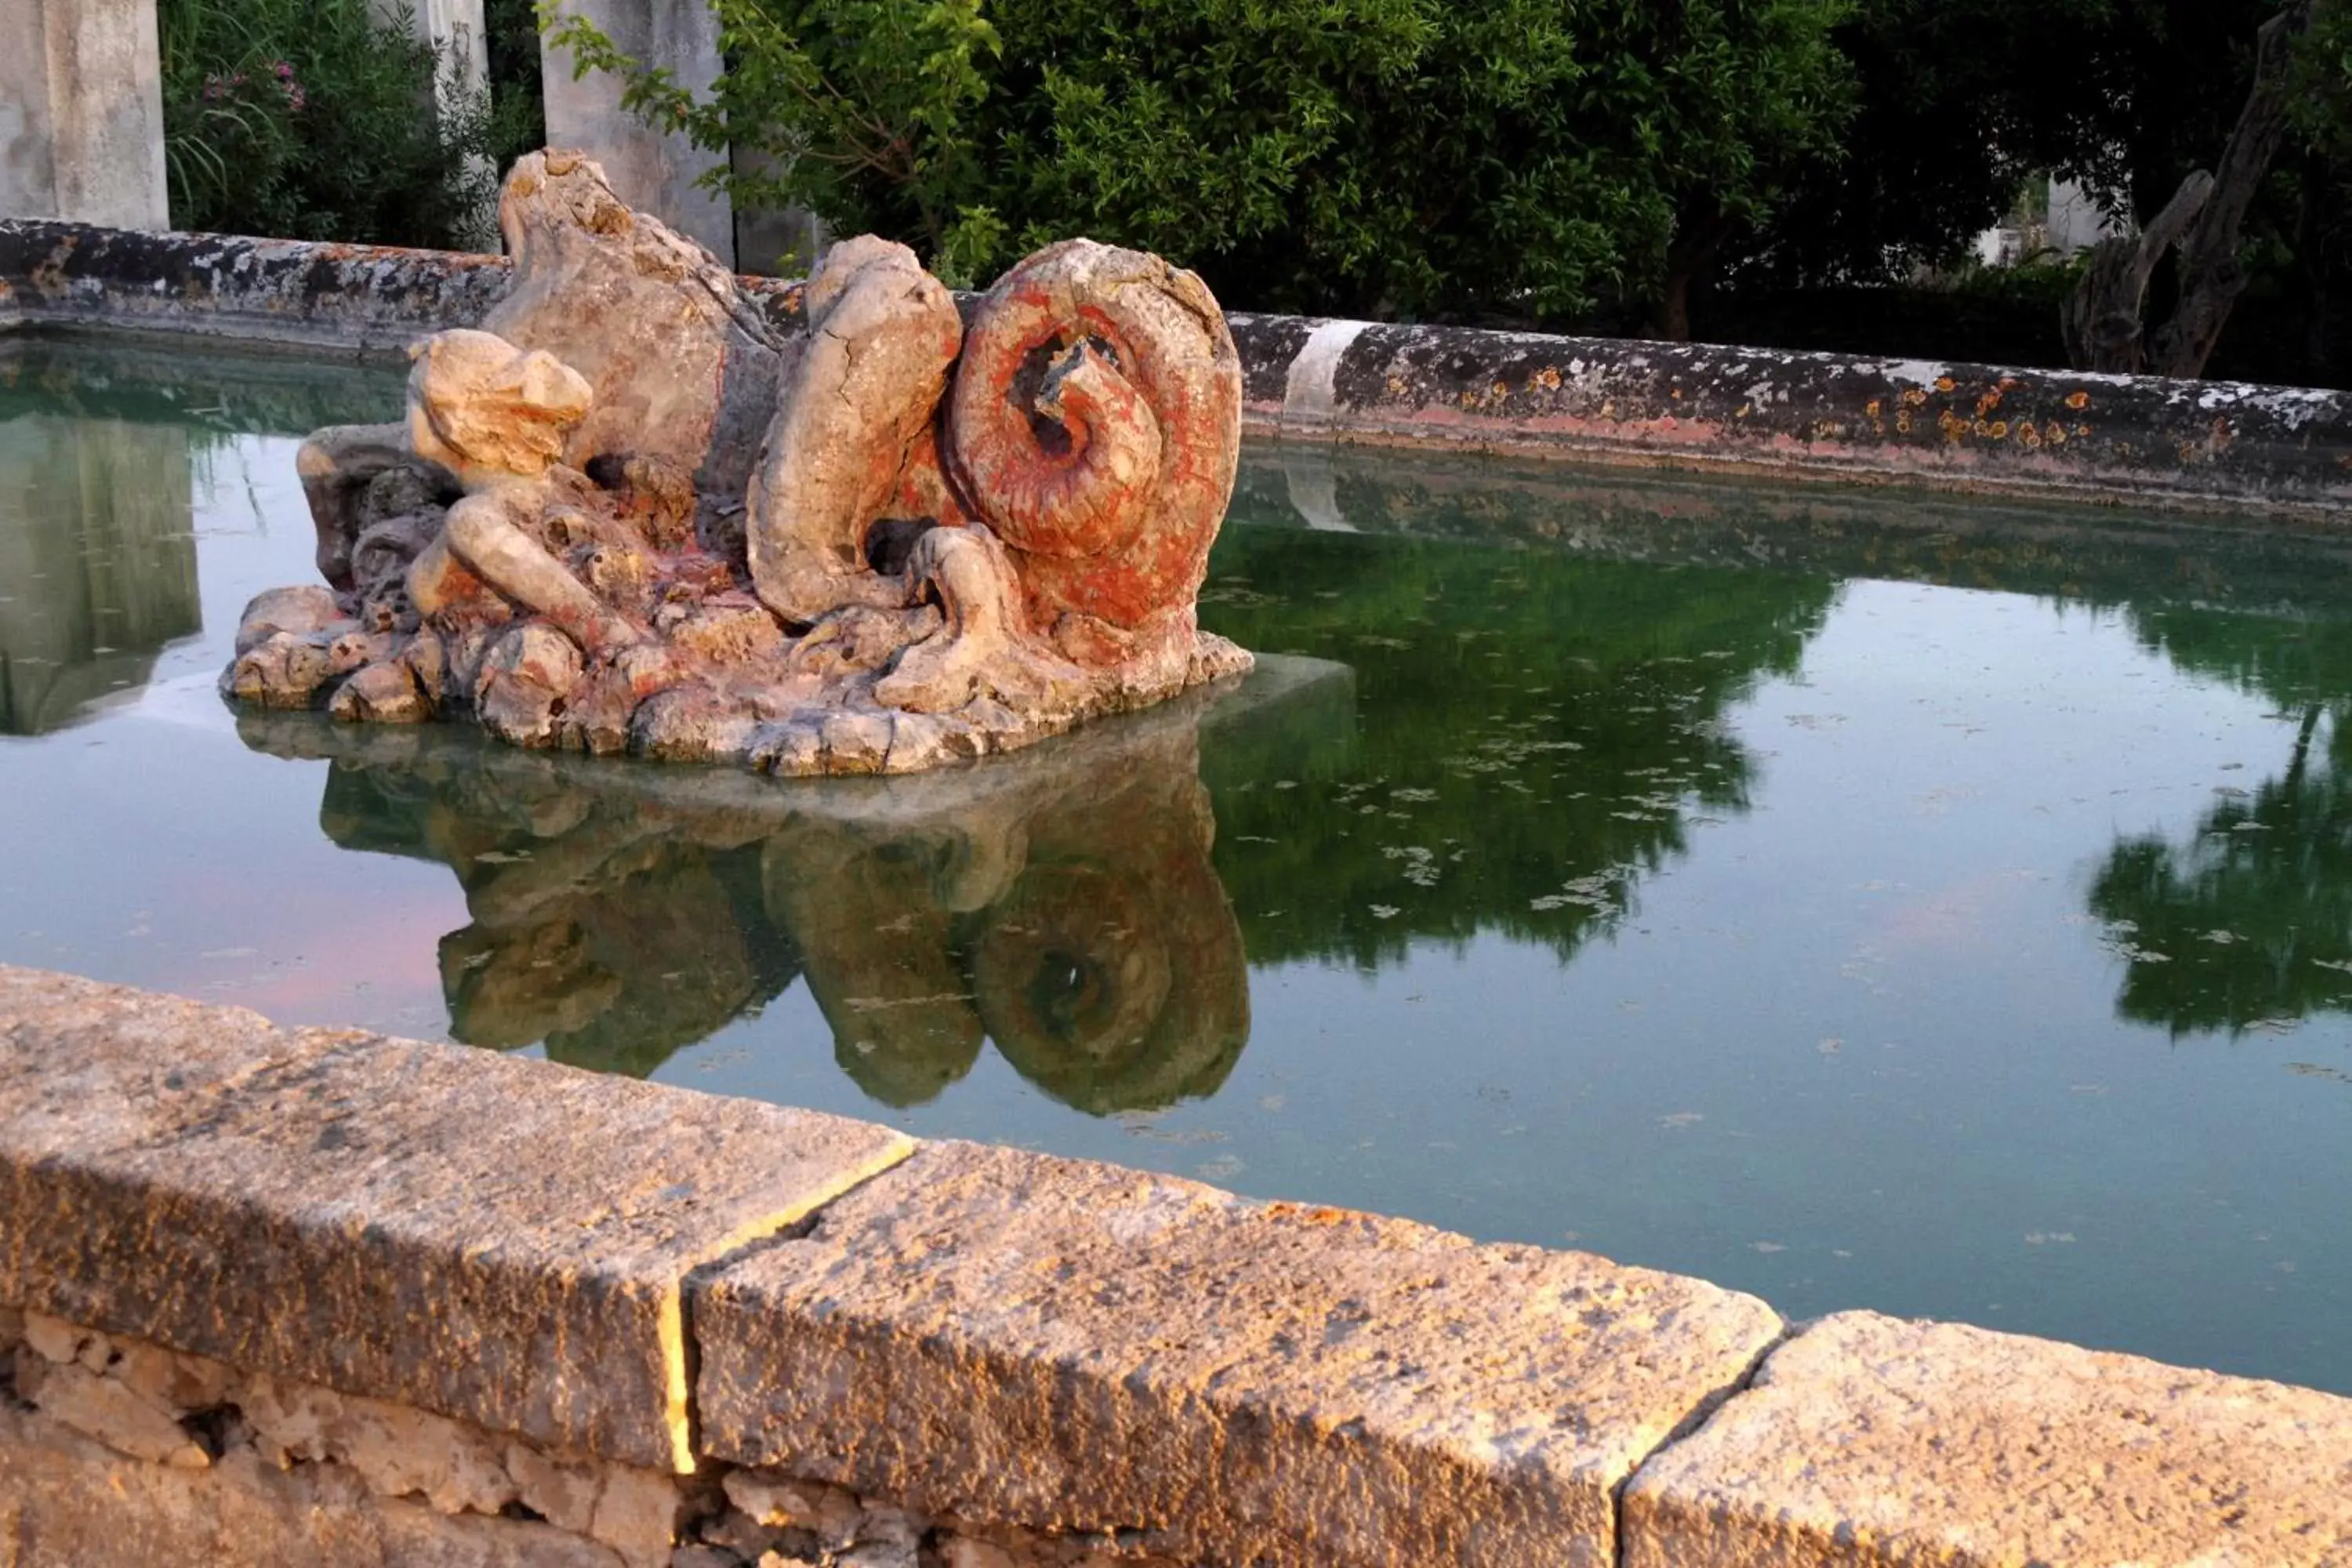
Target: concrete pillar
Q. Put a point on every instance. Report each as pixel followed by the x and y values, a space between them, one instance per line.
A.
pixel 653 171
pixel 454 29
pixel 775 244
pixel 81 113
pixel 455 32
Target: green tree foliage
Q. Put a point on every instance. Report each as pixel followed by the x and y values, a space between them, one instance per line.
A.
pixel 864 111
pixel 1957 106
pixel 312 120
pixel 1960 106
pixel 1524 158
pixel 1536 733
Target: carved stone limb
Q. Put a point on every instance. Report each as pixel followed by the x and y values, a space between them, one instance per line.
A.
pixel 337 467
pixel 982 649
pixel 855 399
pixel 484 532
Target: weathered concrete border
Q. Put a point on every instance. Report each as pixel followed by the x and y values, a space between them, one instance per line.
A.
pixel 220 1241
pixel 2135 439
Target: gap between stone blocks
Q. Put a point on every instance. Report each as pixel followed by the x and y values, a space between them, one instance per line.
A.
pixel 1690 1427
pixel 681 1346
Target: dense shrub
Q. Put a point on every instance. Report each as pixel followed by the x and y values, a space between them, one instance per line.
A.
pixel 1523 158
pixel 310 119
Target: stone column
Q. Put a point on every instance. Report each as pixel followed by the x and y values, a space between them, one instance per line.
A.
pixel 454 29
pixel 650 171
pixel 775 244
pixel 81 113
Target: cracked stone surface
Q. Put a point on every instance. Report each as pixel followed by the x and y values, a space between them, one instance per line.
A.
pixel 977 1333
pixel 1869 1442
pixel 494 1239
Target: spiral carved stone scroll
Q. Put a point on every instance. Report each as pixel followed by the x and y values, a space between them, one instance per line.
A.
pixel 951 540
pixel 1097 422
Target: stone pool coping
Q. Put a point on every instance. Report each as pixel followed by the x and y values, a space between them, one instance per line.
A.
pixel 665 1282
pixel 2142 440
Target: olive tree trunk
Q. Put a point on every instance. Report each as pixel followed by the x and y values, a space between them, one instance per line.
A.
pixel 2104 317
pixel 2206 219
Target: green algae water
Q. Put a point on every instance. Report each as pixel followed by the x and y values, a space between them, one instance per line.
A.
pixel 1859 898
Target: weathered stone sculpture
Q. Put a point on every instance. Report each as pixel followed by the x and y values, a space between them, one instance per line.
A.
pixel 949 540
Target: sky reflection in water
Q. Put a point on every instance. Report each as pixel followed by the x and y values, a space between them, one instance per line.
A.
pixel 1681 872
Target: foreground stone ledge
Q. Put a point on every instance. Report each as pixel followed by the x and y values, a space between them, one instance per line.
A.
pixel 1866 1442
pixel 1066 1346
pixel 494 1239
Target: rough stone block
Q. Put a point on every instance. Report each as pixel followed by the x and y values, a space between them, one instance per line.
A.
pixel 1066 1346
pixel 1867 1442
pixel 105 1409
pixel 399 1452
pixel 65 1500
pixel 499 1240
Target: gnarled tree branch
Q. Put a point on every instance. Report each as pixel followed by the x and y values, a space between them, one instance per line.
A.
pixel 2206 218
pixel 2213 272
pixel 2103 316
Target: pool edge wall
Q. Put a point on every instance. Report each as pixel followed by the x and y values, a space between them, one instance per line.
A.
pixel 2141 440
pixel 275 1295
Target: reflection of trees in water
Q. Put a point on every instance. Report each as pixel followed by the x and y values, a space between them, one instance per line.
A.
pixel 2249 920
pixel 100 446
pixel 2060 549
pixel 1535 731
pixel 1527 734
pixel 98 561
pixel 1060 902
pixel 215 395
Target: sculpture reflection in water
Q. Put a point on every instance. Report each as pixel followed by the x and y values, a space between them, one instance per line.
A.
pixel 1061 902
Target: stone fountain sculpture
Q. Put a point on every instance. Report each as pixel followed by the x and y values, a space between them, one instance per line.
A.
pixel 632 513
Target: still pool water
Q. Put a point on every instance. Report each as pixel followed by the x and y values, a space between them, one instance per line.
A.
pixel 1858 899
